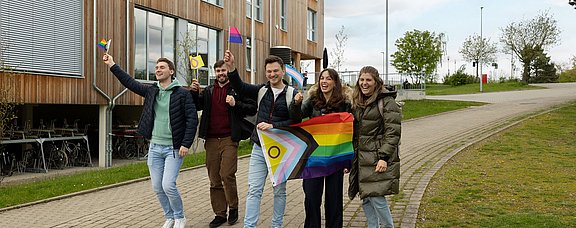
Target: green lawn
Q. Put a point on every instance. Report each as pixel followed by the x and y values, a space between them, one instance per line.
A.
pixel 439 89
pixel 28 192
pixel 523 177
pixel 18 194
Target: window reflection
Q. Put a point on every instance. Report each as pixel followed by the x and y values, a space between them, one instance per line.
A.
pixel 154 38
pixel 140 44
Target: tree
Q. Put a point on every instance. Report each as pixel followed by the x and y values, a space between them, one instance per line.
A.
pixel 522 38
pixel 184 48
pixel 542 70
pixel 418 55
pixel 337 55
pixel 7 98
pixel 478 49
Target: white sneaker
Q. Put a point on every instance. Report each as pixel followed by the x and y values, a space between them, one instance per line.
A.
pixel 169 223
pixel 180 223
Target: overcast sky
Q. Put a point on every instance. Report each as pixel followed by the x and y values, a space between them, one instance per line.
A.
pixel 365 25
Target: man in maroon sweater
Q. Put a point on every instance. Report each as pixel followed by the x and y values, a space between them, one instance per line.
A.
pixel 222 112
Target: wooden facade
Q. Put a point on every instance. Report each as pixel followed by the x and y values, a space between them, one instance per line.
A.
pixel 112 20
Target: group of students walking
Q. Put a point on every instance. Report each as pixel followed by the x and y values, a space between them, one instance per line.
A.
pixel 169 120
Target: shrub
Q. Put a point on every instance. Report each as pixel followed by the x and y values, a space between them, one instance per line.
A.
pixel 459 78
pixel 568 76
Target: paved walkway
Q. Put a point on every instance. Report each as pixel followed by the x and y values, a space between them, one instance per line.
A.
pixel 427 144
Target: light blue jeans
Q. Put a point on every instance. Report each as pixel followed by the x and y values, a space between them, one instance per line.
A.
pixel 164 164
pixel 257 173
pixel 377 212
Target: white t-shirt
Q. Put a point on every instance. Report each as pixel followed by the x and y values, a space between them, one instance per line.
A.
pixel 277 92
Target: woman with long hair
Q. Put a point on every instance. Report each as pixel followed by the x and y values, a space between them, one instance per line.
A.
pixel 326 96
pixel 375 170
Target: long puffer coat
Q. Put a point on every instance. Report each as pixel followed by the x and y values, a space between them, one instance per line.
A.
pixel 376 137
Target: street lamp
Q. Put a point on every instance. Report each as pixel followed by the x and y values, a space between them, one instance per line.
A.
pixel 482 47
pixel 572 3
pixel 386 61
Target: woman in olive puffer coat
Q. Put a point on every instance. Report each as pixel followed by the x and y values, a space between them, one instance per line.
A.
pixel 375 170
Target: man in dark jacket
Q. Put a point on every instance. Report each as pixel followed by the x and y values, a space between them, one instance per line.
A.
pixel 273 111
pixel 223 110
pixel 169 121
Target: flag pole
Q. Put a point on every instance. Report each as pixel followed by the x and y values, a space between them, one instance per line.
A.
pixel 228 46
pixel 108 45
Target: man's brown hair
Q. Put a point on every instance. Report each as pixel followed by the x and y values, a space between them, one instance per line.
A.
pixel 167 61
pixel 274 59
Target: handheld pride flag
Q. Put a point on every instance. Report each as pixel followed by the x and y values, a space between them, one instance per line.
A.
pixel 104 44
pixel 295 74
pixel 333 133
pixel 196 62
pixel 234 36
pixel 284 148
pixel 314 148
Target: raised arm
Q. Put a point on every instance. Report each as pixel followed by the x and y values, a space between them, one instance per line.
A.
pixel 124 77
pixel 197 95
pixel 242 88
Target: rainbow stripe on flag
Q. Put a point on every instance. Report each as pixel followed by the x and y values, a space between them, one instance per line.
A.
pixel 234 36
pixel 295 74
pixel 318 147
pixel 104 44
pixel 333 133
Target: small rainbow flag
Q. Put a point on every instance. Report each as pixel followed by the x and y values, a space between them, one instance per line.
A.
pixel 196 62
pixel 104 44
pixel 295 74
pixel 234 36
pixel 314 148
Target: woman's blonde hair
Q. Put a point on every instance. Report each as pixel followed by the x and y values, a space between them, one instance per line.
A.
pixel 361 101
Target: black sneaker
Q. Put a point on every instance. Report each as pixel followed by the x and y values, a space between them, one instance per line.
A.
pixel 218 220
pixel 233 216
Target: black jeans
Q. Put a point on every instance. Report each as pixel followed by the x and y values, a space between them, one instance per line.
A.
pixel 333 205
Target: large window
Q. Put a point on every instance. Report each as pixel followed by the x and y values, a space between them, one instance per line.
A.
pixel 258 7
pixel 204 42
pixel 154 38
pixel 311 25
pixel 283 15
pixel 215 2
pixel 43 36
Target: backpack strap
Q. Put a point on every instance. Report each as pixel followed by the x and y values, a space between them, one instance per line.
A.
pixel 261 93
pixel 289 95
pixel 381 107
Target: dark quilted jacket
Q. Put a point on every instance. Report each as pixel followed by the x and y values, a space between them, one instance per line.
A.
pixel 243 107
pixel 278 113
pixel 183 116
pixel 376 138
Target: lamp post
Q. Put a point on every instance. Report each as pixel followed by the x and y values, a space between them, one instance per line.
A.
pixel 386 43
pixel 384 65
pixel 481 48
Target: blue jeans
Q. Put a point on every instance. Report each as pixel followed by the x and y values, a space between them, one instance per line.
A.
pixel 377 212
pixel 256 179
pixel 164 164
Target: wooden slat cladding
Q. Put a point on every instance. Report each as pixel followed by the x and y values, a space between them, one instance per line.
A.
pixel 111 24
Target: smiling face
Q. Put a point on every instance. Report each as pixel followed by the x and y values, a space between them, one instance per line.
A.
pixel 221 74
pixel 326 83
pixel 274 73
pixel 163 72
pixel 367 84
